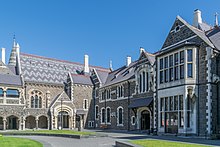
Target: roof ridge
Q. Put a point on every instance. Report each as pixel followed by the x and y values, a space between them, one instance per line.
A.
pixel 60 60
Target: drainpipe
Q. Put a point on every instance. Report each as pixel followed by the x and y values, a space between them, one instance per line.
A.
pixel 198 94
pixel 129 120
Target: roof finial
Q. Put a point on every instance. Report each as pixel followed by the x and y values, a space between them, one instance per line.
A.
pixel 110 65
pixel 216 19
pixel 14 41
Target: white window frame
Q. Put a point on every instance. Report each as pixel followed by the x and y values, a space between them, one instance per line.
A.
pixel 109 116
pixel 122 124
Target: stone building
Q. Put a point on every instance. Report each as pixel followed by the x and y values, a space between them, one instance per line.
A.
pixel 123 97
pixel 187 79
pixel 39 92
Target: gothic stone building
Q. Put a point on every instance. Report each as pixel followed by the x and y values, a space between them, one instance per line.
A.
pixel 187 79
pixel 40 92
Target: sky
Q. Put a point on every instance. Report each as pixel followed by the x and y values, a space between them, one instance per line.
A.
pixel 104 29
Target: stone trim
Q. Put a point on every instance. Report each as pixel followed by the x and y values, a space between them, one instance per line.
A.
pixel 209 91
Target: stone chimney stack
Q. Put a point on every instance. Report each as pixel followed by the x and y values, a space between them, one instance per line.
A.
pixel 128 62
pixel 197 19
pixel 86 64
pixel 141 50
pixel 3 55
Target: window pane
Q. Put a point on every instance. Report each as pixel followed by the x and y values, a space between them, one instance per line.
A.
pixel 175 102
pixel 181 117
pixel 171 60
pixel 181 71
pixel 96 111
pixel 181 102
pixel 171 103
pixel 1 92
pixel 176 58
pixel 103 115
pixel 144 76
pixel 108 115
pixel 189 55
pixel 171 74
pixel 166 75
pixel 161 76
pixel 120 116
pixel 161 63
pixel 166 104
pixel 166 62
pixel 12 93
pixel 32 102
pixel 176 73
pixel 162 104
pixel 182 57
pixel 162 119
pixel 189 70
pixel 140 83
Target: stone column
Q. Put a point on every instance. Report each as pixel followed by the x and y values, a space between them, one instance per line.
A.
pixel 74 121
pixel 36 123
pixel 19 124
pixel 24 120
pixel 48 123
pixel 4 123
pixel 4 96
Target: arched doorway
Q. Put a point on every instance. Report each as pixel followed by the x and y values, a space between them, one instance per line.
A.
pixel 1 123
pixel 63 120
pixel 145 120
pixel 30 122
pixel 42 122
pixel 12 122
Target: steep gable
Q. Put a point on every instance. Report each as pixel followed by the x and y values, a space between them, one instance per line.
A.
pixel 181 32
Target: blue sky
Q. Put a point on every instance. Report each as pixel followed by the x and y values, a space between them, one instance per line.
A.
pixel 104 29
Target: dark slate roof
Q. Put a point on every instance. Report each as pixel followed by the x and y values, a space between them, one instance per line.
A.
pixel 214 36
pixel 197 31
pixel 140 102
pixel 204 26
pixel 121 74
pixel 10 79
pixel 150 57
pixel 102 75
pixel 47 70
pixel 81 79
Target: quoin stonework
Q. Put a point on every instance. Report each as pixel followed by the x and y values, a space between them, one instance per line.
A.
pixel 175 90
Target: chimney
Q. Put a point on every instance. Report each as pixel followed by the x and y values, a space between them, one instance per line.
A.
pixel 141 50
pixel 86 64
pixel 3 55
pixel 197 18
pixel 128 60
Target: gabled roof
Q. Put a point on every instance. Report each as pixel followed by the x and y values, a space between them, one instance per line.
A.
pixel 81 79
pixel 150 57
pixel 122 74
pixel 214 36
pixel 48 70
pixel 102 75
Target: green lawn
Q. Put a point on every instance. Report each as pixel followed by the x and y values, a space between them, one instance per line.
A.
pixel 162 143
pixel 71 132
pixel 18 142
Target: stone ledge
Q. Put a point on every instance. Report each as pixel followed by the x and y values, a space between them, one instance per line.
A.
pixel 125 144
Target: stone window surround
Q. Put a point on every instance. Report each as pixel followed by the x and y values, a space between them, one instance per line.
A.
pixel 97 112
pixel 107 115
pixel 33 94
pixel 103 118
pixel 133 120
pixel 185 49
pixel 147 80
pixel 122 124
pixel 85 104
pixel 120 91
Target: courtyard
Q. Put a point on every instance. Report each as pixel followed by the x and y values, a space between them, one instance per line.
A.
pixel 108 138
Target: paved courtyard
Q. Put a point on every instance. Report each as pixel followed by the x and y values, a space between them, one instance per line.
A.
pixel 110 140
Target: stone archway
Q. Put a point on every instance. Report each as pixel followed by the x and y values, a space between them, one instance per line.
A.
pixel 63 120
pixel 145 120
pixel 1 123
pixel 12 122
pixel 42 122
pixel 30 122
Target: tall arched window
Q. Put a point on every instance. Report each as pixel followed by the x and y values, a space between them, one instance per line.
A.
pixel 103 115
pixel 36 99
pixel 140 83
pixel 108 111
pixel 144 82
pixel 96 112
pixel 120 116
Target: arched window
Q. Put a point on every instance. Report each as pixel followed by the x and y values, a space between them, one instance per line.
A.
pixel 140 83
pixel 36 99
pixel 144 76
pixel 120 116
pixel 96 112
pixel 108 111
pixel 103 115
